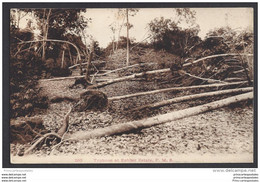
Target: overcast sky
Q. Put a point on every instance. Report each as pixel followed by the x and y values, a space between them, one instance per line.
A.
pixel 207 18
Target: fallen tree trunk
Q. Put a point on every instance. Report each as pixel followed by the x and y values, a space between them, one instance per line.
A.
pixel 73 99
pixel 94 62
pixel 209 80
pixel 233 79
pixel 125 78
pixel 215 56
pixel 143 73
pixel 61 78
pixel 75 77
pixel 99 85
pixel 156 120
pixel 175 89
pixel 195 96
pixel 123 68
pixel 239 71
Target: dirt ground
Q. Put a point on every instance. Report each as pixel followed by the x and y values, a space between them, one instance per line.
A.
pixel 223 135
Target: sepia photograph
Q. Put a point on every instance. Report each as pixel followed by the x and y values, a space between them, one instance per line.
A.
pixel 132 85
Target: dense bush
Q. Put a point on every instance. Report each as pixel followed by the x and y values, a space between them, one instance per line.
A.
pixel 167 35
pixel 25 70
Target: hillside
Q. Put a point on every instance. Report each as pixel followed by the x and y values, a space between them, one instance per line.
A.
pixel 223 132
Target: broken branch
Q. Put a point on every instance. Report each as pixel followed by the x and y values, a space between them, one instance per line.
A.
pixel 214 56
pixel 209 80
pixel 175 89
pixel 148 122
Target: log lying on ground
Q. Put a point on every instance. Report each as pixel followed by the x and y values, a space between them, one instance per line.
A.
pixel 71 77
pixel 95 62
pixel 73 99
pixel 215 56
pixel 239 71
pixel 125 78
pixel 61 78
pixel 175 89
pixel 195 96
pixel 148 122
pixel 209 80
pixel 233 79
pixel 123 68
pixel 99 85
pixel 108 72
pixel 144 73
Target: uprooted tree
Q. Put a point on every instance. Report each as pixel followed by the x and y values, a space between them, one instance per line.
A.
pixel 136 125
pixel 218 63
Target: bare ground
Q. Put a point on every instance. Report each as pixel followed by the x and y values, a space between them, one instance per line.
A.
pixel 223 135
pixel 224 131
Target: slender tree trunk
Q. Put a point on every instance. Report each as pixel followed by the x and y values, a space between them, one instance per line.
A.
pixel 177 89
pixel 18 18
pixel 45 33
pixel 127 40
pixel 119 32
pixel 129 77
pixel 215 56
pixel 62 59
pixel 156 120
pixel 192 97
pixel 113 45
pixel 71 60
pixel 89 61
pixel 54 40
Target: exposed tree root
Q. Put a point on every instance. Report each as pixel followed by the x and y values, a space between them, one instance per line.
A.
pixel 148 122
pixel 39 141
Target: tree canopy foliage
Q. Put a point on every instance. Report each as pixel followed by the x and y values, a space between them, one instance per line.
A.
pixel 167 35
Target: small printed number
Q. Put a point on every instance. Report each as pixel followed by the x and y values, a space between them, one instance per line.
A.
pixel 78 160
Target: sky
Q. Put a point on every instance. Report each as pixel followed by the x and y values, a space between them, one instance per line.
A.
pixel 207 18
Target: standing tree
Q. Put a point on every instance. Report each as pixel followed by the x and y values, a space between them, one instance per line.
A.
pixel 167 34
pixel 113 29
pixel 90 56
pixel 127 35
pixel 129 12
pixel 56 23
pixel 126 13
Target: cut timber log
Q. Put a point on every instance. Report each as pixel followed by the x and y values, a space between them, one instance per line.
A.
pixel 95 62
pixel 209 80
pixel 125 78
pixel 61 78
pixel 123 68
pixel 215 56
pixel 99 85
pixel 156 120
pixel 108 72
pixel 233 79
pixel 239 71
pixel 195 96
pixel 175 89
pixel 145 73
